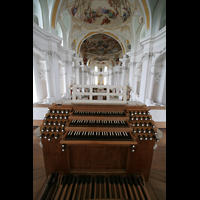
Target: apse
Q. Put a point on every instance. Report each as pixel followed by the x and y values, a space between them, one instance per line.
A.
pixel 101 49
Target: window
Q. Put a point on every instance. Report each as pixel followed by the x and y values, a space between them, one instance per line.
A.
pixel 105 69
pixel 96 69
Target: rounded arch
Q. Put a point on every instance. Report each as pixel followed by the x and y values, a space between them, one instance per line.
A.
pixel 66 26
pixel 106 33
pixel 54 13
pixel 157 15
pixel 147 13
pixel 45 15
pixel 37 11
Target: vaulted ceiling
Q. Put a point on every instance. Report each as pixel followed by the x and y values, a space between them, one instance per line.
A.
pixel 123 21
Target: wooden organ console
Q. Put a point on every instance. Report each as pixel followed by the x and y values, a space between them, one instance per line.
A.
pixel 102 151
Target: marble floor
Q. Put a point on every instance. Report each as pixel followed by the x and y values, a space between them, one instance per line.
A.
pixel 156 185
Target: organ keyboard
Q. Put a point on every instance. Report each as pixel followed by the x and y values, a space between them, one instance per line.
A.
pixel 98 139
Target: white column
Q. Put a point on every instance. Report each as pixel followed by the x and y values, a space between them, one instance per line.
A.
pixel 151 81
pixel 116 75
pixel 65 78
pixel 112 77
pixel 162 83
pixel 131 77
pixel 144 75
pixel 48 84
pixel 123 76
pixel 69 63
pixel 77 75
pixel 37 71
pixel 83 76
pixel 107 78
pixel 124 61
pixel 118 78
pixel 77 66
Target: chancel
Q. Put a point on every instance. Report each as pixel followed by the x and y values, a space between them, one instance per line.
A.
pixel 99 66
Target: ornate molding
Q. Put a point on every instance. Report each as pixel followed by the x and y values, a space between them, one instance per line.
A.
pixel 157 76
pixel 42 74
pixel 148 56
pixel 34 45
pixel 52 54
pixel 164 49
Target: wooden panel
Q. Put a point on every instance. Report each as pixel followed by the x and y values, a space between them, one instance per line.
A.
pixel 108 129
pixel 92 142
pixel 97 157
pixel 55 159
pixel 139 162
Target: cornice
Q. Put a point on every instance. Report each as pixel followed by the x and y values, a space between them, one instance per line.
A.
pixel 45 34
pixel 153 38
pixel 64 50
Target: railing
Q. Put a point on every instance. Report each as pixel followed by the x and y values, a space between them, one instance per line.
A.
pixel 99 94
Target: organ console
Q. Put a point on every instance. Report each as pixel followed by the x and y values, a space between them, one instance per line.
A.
pixel 97 151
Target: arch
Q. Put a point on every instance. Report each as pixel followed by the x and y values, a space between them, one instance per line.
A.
pixel 142 32
pixel 54 13
pixel 147 13
pixel 157 15
pixel 37 11
pixel 106 33
pixel 45 14
pixel 135 31
pixel 162 17
pixel 66 28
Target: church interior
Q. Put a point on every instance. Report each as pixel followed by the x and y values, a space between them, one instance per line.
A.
pixel 99 61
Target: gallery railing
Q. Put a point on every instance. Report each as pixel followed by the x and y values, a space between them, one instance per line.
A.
pixel 99 94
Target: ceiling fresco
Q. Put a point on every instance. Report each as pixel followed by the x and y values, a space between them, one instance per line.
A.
pixel 101 12
pixel 99 45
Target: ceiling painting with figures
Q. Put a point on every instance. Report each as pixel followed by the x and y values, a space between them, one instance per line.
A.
pixel 100 45
pixel 101 12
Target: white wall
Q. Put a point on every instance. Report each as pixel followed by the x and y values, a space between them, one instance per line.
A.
pixel 152 47
pixel 48 54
